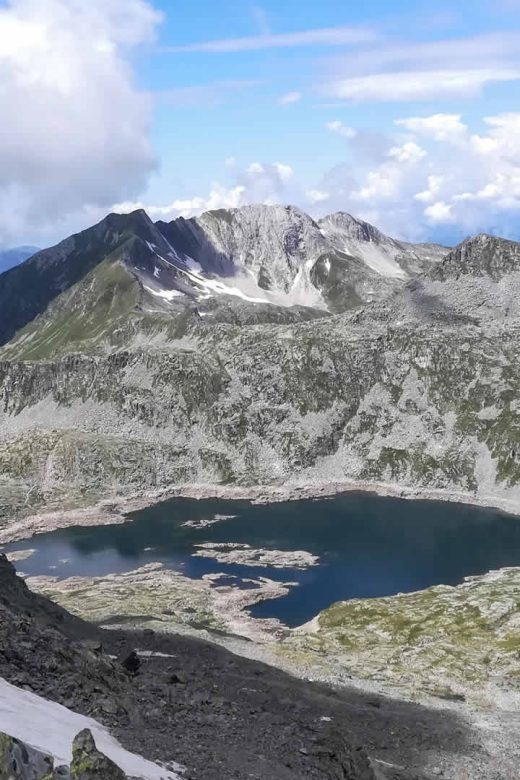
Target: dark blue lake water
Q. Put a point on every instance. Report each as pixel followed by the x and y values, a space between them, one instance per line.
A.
pixel 368 546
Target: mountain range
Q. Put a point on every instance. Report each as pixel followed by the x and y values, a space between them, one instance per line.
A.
pixel 257 345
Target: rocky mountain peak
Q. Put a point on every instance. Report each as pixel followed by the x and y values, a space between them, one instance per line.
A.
pixel 355 228
pixel 27 290
pixel 481 255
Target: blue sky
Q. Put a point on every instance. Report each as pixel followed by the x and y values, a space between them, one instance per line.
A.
pixel 404 113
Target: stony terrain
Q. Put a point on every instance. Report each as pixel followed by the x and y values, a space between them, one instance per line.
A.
pixel 455 643
pixel 156 597
pixel 460 643
pixel 269 724
pixel 123 378
pixel 20 761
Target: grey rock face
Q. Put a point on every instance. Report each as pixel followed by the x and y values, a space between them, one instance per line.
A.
pixel 482 256
pixel 88 763
pixel 114 389
pixel 21 762
pixel 336 263
pixel 36 651
pixel 265 255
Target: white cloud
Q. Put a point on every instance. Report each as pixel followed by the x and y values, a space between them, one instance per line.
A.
pixel 328 36
pixel 317 196
pixel 290 98
pixel 255 168
pixel 382 184
pixel 440 127
pixel 257 183
pixel 434 185
pixel 341 129
pixel 439 212
pixel 219 197
pixel 273 173
pixel 285 172
pixel 410 152
pixel 452 179
pixel 469 53
pixel 74 125
pixel 413 188
pixel 419 85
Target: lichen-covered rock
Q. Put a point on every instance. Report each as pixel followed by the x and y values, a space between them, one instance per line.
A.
pixel 88 763
pixel 21 762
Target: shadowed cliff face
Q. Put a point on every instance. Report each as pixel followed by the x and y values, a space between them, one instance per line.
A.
pixel 11 257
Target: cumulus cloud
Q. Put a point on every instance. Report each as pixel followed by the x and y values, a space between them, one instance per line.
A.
pixel 439 212
pixel 440 176
pixel 432 176
pixel 317 196
pixel 434 186
pixel 258 182
pixel 440 127
pixel 409 152
pixel 74 125
pixel 219 197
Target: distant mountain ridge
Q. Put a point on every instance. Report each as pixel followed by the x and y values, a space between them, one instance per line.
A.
pixel 254 346
pixel 272 256
pixel 14 256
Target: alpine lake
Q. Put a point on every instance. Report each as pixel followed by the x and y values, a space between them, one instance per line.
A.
pixel 353 546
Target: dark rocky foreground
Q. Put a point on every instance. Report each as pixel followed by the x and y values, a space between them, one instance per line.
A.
pixel 219 715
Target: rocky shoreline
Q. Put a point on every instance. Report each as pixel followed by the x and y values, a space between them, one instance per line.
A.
pixel 166 600
pixel 116 510
pixel 160 601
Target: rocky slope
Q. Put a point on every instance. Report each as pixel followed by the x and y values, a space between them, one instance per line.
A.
pixel 456 643
pixel 334 264
pixel 273 257
pixel 217 714
pixel 117 382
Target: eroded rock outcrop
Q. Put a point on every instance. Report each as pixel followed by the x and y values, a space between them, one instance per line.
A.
pixel 19 761
pixel 22 762
pixel 88 763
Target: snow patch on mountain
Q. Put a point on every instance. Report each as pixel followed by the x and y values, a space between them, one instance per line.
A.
pixel 379 257
pixel 387 256
pixel 51 729
pixel 272 253
pixel 168 295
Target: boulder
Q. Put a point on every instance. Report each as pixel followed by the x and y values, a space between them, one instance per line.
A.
pixel 88 763
pixel 21 762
